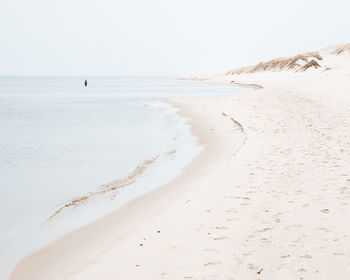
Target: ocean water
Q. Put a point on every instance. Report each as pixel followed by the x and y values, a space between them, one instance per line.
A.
pixel 64 148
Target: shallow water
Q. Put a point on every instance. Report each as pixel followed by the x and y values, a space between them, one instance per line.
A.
pixel 60 141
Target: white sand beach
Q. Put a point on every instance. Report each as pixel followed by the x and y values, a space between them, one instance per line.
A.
pixel 267 198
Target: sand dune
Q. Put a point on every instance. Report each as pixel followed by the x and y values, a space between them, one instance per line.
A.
pixel 338 49
pixel 298 63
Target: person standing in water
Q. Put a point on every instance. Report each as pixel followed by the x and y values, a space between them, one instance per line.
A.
pixel 85 83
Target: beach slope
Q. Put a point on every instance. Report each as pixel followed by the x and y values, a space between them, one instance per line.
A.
pixel 267 198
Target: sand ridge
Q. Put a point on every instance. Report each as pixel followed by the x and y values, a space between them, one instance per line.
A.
pixel 107 188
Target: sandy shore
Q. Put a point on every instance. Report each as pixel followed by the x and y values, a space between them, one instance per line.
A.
pixel 267 198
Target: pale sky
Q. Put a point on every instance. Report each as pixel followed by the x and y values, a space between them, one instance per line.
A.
pixel 138 37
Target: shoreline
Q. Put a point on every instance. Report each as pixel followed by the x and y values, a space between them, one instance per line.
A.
pixel 162 195
pixel 73 198
pixel 267 197
pixel 79 210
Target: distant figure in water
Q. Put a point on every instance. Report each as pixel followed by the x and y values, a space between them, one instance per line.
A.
pixel 85 83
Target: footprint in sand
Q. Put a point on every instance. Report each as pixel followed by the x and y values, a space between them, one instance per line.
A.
pixel 211 263
pixel 306 256
pixel 221 238
pixel 285 256
pixel 339 254
pixel 246 203
pixel 265 240
pixel 221 228
pixel 232 219
pixel 210 250
pixel 254 268
pixel 265 229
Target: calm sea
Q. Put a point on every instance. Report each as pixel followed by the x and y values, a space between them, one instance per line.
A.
pixel 61 141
